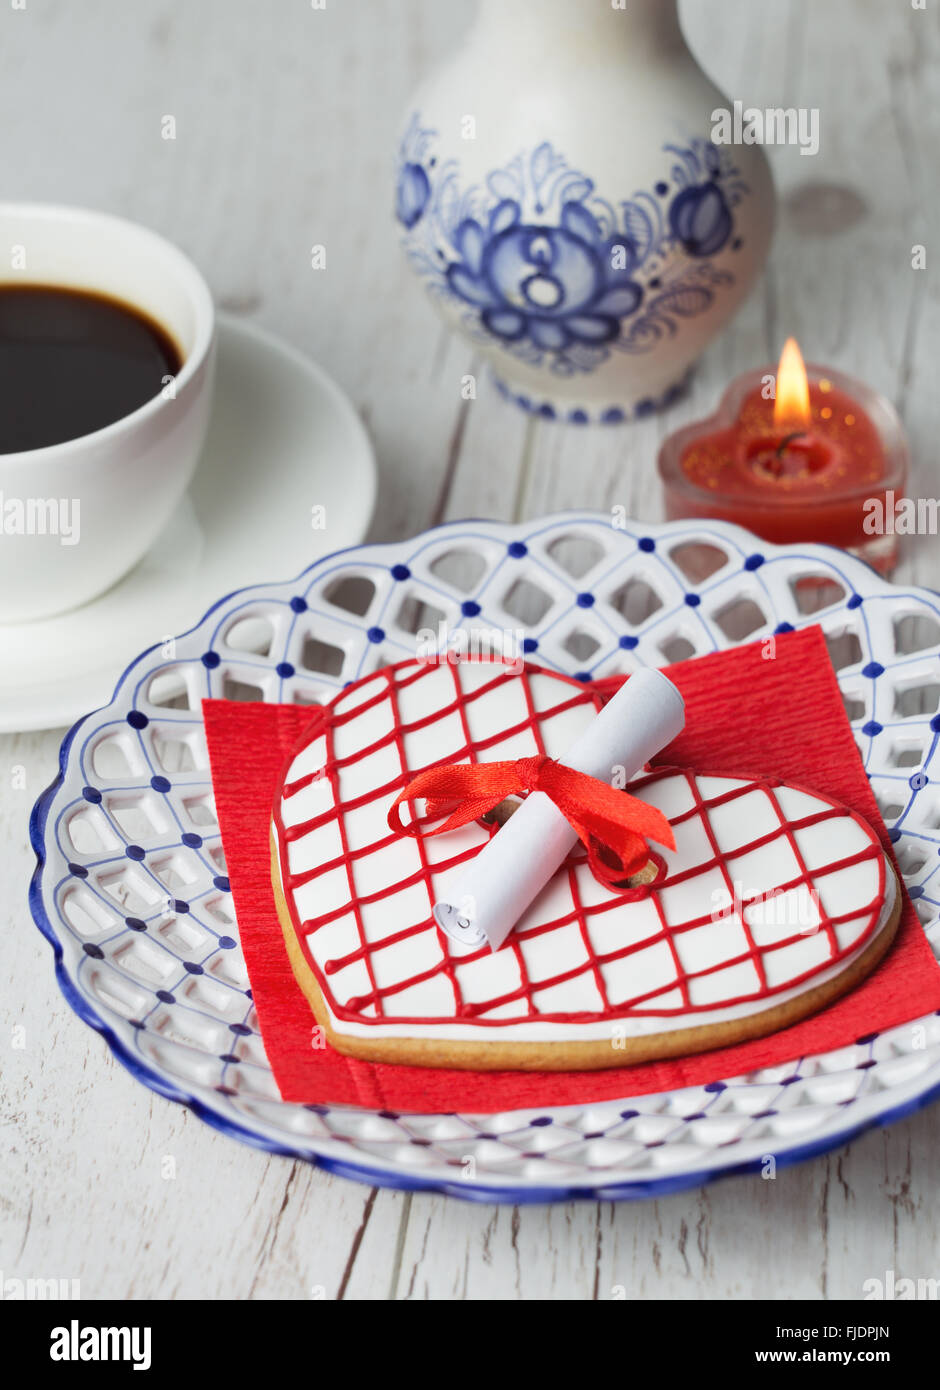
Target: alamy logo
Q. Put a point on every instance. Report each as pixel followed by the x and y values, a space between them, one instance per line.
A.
pixel 77 1343
pixel 774 125
pixel 795 909
pixel 38 1290
pixel 892 1289
pixel 450 645
pixel 41 516
pixel 892 515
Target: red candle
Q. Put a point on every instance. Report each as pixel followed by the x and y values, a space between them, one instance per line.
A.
pixel 802 462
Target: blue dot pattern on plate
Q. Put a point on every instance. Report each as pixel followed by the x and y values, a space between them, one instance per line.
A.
pixel 136 892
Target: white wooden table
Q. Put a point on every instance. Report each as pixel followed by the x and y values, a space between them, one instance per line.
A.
pixel 285 117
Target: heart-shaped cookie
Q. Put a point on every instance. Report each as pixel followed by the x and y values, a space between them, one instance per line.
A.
pixel 775 901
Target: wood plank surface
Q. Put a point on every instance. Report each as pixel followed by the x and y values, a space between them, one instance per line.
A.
pixel 286 120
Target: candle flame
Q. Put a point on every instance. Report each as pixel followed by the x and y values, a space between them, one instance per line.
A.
pixel 791 403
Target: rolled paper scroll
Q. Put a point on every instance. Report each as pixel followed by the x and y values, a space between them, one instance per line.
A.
pixel 496 888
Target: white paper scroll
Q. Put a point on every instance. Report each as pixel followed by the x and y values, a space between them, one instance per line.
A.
pixel 512 868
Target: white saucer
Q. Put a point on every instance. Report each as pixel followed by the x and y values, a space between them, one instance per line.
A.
pixel 283 441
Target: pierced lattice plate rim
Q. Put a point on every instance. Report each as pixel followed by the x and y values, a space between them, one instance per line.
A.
pixel 130 886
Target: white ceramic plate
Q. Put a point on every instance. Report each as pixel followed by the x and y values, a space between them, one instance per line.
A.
pixel 129 824
pixel 283 440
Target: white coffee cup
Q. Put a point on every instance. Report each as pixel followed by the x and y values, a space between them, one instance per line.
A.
pixel 76 516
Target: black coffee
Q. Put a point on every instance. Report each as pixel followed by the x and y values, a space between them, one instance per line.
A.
pixel 72 362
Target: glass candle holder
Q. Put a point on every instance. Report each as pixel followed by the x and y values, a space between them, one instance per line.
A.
pixel 835 476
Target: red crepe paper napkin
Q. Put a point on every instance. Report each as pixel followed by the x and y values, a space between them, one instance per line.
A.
pixel 747 712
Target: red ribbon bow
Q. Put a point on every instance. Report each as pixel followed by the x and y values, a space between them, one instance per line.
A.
pixel 607 821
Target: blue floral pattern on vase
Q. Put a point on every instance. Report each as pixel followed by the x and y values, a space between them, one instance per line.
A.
pixel 412 194
pixel 539 263
pixel 701 220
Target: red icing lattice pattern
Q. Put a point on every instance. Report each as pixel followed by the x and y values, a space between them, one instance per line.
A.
pixel 583 952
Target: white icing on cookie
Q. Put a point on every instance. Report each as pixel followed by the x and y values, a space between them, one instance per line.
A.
pixel 771 890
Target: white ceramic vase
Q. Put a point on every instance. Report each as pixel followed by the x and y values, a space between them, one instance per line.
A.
pixel 560 196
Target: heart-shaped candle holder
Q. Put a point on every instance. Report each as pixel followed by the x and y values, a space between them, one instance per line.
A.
pixel 838 479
